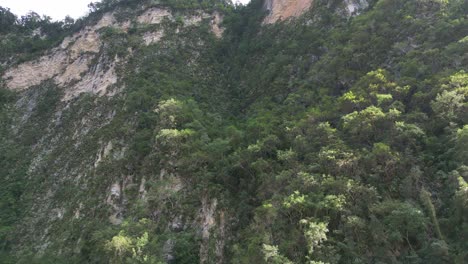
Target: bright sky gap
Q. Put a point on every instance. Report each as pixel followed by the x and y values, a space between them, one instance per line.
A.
pixel 57 9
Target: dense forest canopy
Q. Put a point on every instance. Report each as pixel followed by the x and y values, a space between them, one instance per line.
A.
pixel 328 138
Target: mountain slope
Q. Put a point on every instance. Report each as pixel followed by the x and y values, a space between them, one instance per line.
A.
pixel 187 132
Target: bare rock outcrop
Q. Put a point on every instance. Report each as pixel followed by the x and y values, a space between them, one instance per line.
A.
pixel 72 65
pixel 354 7
pixel 69 63
pixel 279 10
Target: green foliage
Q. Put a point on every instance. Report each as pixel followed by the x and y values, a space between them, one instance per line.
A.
pixel 426 200
pixel 461 141
pixel 272 255
pixel 26 37
pixel 315 234
pixel 7 20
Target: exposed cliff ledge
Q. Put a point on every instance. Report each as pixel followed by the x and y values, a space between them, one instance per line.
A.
pixel 65 64
pixel 283 9
pixel 280 10
pixel 78 65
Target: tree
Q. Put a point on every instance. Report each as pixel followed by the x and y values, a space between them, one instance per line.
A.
pixel 402 226
pixel 68 22
pixel 7 20
pixel 461 143
pixel 272 255
pixel 372 89
pixel 315 234
pixel 370 124
pixel 448 104
pixel 31 20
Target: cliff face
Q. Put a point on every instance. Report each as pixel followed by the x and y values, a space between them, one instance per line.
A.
pixel 73 177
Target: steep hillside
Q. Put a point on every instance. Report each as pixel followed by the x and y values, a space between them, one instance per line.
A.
pixel 200 132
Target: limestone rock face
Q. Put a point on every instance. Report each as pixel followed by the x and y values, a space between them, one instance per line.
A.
pixel 70 64
pixel 283 9
pixel 78 64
